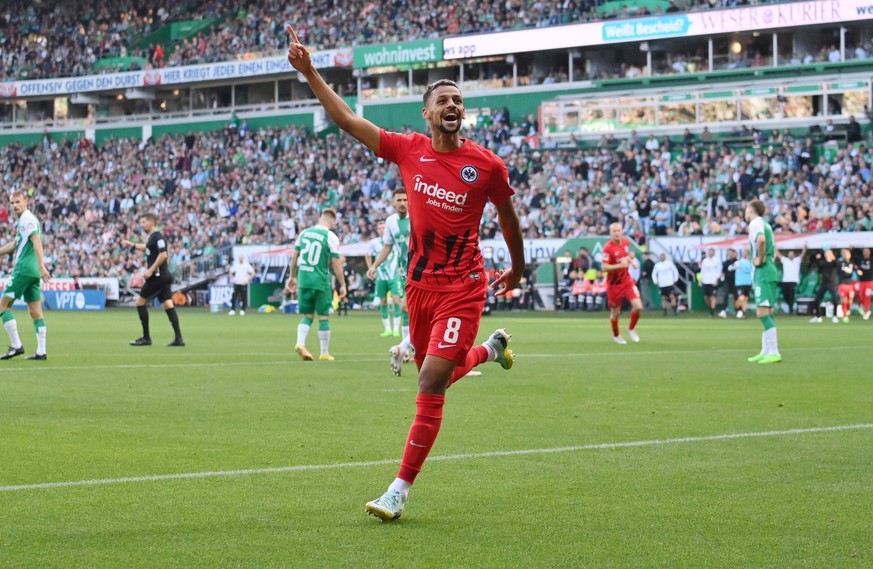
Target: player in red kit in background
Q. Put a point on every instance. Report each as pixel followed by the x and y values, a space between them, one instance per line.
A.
pixel 615 259
pixel 449 180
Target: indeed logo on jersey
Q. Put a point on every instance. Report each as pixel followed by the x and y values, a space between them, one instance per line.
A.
pixel 440 197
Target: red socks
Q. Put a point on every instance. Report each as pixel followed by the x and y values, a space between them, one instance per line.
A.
pixel 634 317
pixel 478 355
pixel 422 434
pixel 614 326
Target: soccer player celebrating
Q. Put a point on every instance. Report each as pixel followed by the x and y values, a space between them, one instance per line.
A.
pixel 315 251
pixel 158 281
pixel 615 259
pixel 29 268
pixel 846 285
pixel 865 281
pixel 396 242
pixel 764 280
pixel 449 179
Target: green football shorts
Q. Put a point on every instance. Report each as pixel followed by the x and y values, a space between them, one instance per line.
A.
pixel 26 288
pixel 314 301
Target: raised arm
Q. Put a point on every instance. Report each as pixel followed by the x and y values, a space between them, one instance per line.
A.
pixel 344 117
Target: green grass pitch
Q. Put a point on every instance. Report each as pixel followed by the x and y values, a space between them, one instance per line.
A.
pixel 231 452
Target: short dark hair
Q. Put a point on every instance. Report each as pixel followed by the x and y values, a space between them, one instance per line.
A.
pixel 434 85
pixel 758 206
pixel 398 190
pixel 150 216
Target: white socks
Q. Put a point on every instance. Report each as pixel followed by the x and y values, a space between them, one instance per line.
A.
pixel 302 332
pixel 404 344
pixel 401 486
pixel 770 341
pixel 40 340
pixel 12 329
pixel 324 340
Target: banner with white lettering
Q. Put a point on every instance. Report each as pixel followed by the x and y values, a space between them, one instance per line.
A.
pixel 689 249
pixel 109 285
pixel 704 23
pixel 221 294
pixel 76 300
pixel 534 249
pixel 170 75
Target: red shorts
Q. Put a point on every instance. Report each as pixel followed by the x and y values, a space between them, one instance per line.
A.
pixel 846 290
pixel 444 324
pixel 614 293
pixel 865 289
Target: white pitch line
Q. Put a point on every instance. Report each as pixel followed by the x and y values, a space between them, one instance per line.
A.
pixel 499 453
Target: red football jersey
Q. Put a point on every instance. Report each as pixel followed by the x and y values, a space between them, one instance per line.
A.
pixel 612 254
pixel 447 193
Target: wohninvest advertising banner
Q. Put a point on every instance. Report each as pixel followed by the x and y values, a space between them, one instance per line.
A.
pixel 703 23
pixel 689 249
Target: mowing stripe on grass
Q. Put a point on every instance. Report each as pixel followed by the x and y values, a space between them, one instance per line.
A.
pixel 311 467
pixel 356 359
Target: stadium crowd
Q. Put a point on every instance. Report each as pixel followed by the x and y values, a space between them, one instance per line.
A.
pixel 246 186
pixel 60 39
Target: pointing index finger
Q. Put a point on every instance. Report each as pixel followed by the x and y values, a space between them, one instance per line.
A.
pixel 292 33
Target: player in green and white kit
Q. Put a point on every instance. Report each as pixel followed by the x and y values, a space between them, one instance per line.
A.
pixel 396 238
pixel 387 280
pixel 765 279
pixel 316 252
pixel 29 269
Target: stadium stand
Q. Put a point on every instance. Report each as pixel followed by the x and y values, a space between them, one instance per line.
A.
pixel 79 37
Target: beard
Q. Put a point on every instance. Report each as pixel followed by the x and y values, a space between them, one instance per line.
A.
pixel 445 130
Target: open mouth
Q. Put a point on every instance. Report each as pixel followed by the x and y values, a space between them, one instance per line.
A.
pixel 450 117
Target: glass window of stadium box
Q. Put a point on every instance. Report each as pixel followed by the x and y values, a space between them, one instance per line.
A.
pixel 637 112
pixel 759 104
pixel 677 56
pixel 219 97
pixel 253 94
pixel 848 98
pixel 679 109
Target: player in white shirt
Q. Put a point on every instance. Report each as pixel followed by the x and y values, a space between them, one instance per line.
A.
pixel 790 275
pixel 241 274
pixel 710 275
pixel 665 274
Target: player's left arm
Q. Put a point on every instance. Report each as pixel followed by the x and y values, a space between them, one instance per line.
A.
pixel 292 272
pixel 340 277
pixel 40 257
pixel 511 229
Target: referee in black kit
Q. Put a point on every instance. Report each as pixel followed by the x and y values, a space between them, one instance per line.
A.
pixel 158 281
